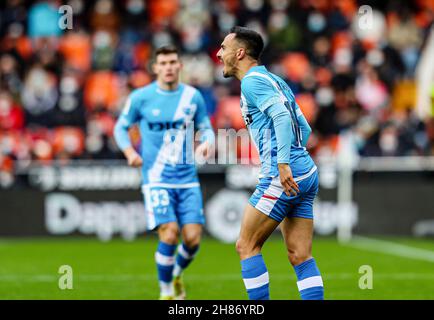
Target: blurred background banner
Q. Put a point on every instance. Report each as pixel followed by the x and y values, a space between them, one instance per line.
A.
pixel 102 199
pixel 361 71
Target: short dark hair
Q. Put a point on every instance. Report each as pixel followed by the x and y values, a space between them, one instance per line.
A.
pixel 167 49
pixel 251 39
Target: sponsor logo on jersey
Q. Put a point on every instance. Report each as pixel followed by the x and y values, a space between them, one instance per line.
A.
pixel 161 126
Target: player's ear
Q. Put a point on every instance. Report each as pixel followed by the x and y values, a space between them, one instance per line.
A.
pixel 241 53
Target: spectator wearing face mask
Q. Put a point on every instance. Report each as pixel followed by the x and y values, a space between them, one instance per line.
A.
pixel 39 96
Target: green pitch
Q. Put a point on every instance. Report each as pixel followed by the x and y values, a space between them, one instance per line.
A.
pixel 402 269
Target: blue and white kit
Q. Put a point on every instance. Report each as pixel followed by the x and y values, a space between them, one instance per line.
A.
pixel 170 184
pixel 280 132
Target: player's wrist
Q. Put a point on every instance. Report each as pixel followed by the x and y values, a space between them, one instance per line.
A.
pixel 284 169
pixel 130 152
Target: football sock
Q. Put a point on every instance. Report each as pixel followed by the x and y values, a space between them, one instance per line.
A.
pixel 164 257
pixel 309 282
pixel 183 258
pixel 255 277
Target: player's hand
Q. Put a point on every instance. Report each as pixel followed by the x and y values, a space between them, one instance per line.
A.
pixel 133 158
pixel 286 179
pixel 204 150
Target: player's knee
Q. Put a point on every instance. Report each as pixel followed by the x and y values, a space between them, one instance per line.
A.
pixel 246 248
pixel 296 256
pixel 170 238
pixel 169 234
pixel 239 246
pixel 192 240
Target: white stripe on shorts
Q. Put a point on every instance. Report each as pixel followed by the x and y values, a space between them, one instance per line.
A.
pixel 310 282
pixel 307 175
pixel 257 282
pixel 150 223
pixel 275 189
pixel 265 205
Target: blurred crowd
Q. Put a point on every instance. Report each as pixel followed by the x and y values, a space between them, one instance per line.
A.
pixel 61 89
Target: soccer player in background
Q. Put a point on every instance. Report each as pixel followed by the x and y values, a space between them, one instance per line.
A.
pixel 165 111
pixel 288 180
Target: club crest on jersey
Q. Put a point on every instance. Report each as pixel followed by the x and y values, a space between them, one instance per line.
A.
pixel 245 113
pixel 189 109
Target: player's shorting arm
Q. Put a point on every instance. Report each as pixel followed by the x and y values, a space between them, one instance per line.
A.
pixel 121 133
pixel 283 130
pixel 207 140
pixel 304 127
pixel 206 132
pixel 122 137
pixel 204 127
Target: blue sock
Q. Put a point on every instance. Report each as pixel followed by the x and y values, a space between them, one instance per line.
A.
pixel 183 258
pixel 309 281
pixel 255 276
pixel 164 257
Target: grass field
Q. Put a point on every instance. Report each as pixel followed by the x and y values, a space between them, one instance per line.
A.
pixel 402 269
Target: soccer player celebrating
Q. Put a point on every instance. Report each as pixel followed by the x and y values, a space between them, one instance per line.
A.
pixel 165 111
pixel 288 180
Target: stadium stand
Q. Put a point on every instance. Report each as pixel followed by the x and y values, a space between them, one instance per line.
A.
pixel 61 90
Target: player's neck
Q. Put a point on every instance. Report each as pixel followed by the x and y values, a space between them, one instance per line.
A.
pixel 244 68
pixel 168 86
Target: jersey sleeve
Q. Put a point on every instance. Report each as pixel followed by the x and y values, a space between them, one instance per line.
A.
pixel 283 130
pixel 129 116
pixel 260 92
pixel 201 120
pixel 304 126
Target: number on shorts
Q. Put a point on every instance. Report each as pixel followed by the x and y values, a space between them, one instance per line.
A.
pixel 159 198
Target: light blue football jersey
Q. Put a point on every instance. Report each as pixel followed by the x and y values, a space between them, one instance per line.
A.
pixel 261 89
pixel 167 121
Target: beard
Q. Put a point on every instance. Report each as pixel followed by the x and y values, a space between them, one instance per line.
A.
pixel 230 68
pixel 226 74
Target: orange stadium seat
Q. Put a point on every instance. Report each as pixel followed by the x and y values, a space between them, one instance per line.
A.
pixel 101 90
